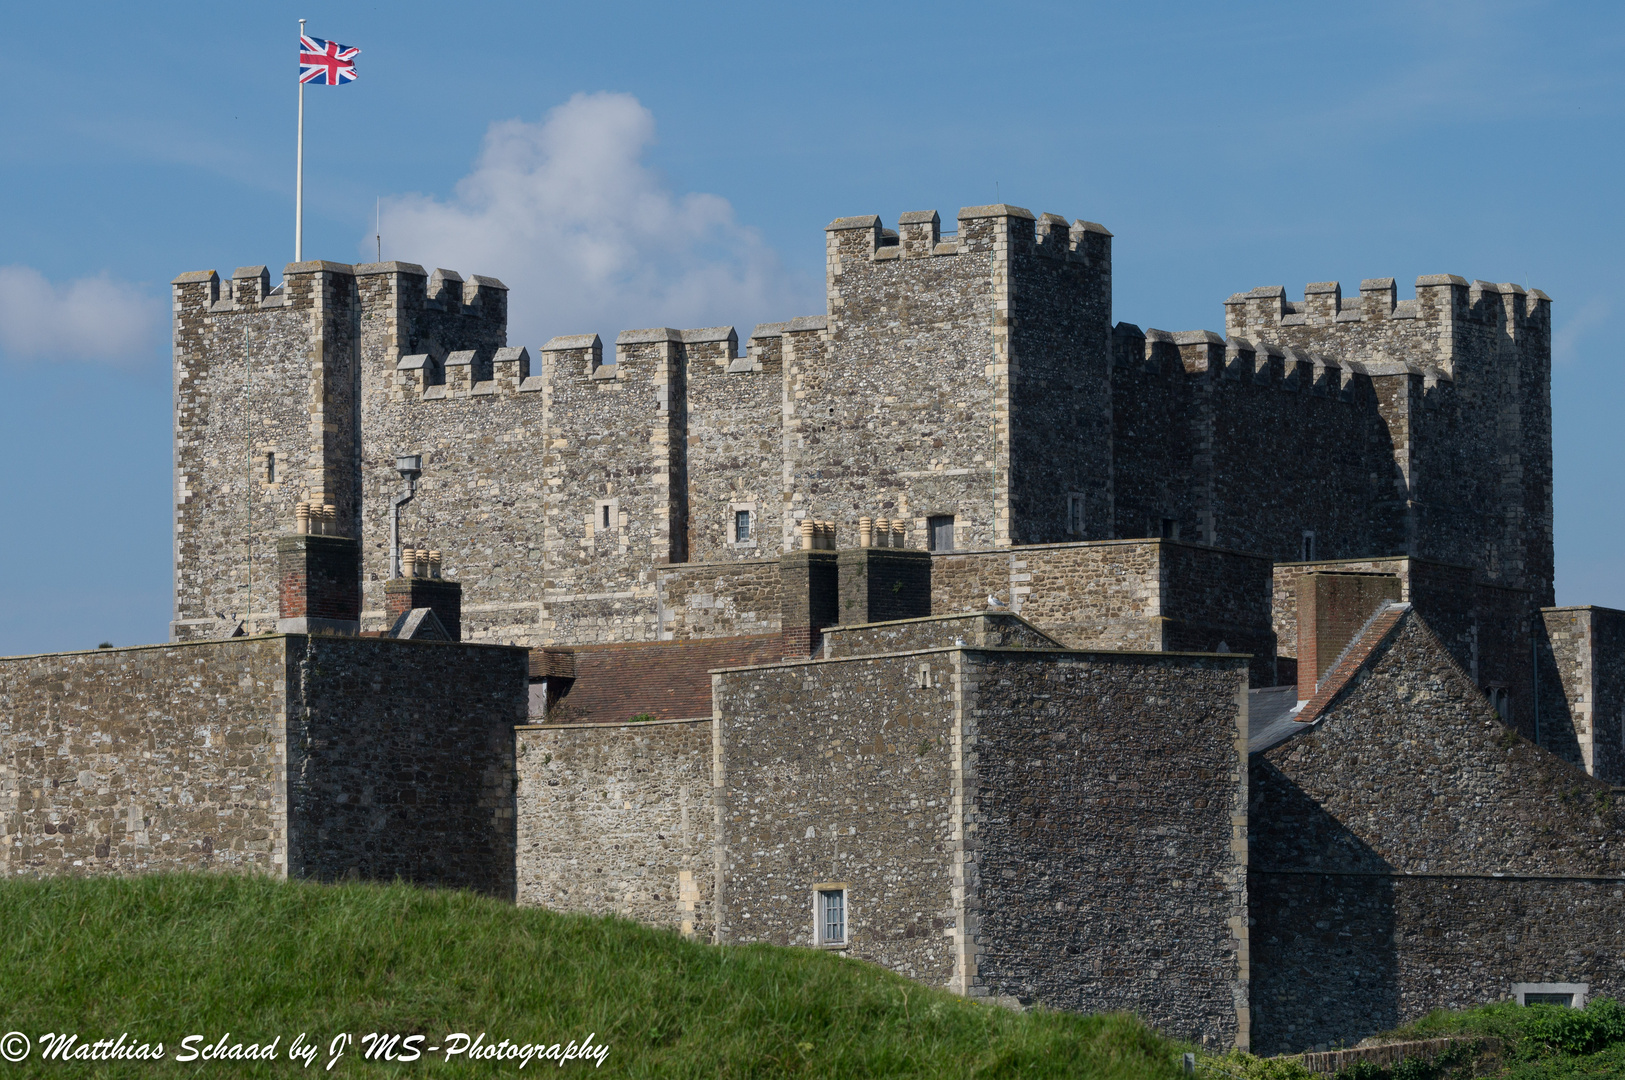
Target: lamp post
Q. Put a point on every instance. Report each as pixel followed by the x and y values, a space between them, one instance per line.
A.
pixel 410 466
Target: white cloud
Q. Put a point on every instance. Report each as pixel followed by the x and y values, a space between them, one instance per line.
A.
pixel 588 238
pixel 1568 333
pixel 94 318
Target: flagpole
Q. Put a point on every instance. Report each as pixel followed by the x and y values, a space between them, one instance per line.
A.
pixel 299 182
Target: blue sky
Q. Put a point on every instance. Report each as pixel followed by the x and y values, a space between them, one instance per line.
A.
pixel 635 164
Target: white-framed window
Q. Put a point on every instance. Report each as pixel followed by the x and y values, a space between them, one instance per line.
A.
pixel 1074 513
pixel 1571 994
pixel 742 524
pixel 832 916
pixel 1308 545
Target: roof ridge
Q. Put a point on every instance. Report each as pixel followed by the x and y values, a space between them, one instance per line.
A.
pixel 1353 657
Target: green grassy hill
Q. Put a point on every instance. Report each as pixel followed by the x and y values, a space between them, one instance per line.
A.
pixel 166 957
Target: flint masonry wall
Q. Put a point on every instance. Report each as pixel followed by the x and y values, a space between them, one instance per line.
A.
pixel 815 784
pixel 991 629
pixel 1582 688
pixel 1485 627
pixel 735 444
pixel 1465 859
pixel 618 819
pixel 310 757
pixel 256 374
pixel 438 381
pixel 401 761
pixel 1138 594
pixel 169 757
pixel 948 372
pixel 1110 799
pixel 1004 778
pixel 1474 455
pixel 1195 419
pixel 701 600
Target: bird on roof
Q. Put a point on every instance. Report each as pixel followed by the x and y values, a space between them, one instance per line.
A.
pixel 994 601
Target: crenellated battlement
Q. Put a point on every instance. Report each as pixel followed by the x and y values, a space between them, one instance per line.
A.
pixel 1204 356
pixel 1439 299
pixel 919 235
pixel 410 288
pixel 508 371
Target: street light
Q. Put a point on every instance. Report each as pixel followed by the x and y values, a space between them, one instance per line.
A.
pixel 410 466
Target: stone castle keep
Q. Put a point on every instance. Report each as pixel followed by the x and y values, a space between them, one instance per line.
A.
pixel 1215 677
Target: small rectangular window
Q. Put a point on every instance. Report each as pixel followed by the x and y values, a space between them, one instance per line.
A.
pixel 1074 514
pixel 605 522
pixel 741 526
pixel 1501 702
pixel 1308 545
pixel 940 530
pixel 270 467
pixel 1570 995
pixel 830 915
pixel 1169 530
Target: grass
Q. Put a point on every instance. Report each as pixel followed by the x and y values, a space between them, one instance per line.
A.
pixel 168 956
pixel 1539 1042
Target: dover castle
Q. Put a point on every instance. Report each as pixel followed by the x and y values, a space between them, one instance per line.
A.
pixel 1210 676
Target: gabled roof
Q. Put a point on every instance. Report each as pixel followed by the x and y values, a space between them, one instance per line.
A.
pixel 1359 651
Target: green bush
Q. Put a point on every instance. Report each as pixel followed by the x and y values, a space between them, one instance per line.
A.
pixel 1574 1031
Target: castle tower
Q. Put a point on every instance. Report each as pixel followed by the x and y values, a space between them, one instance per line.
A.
pixel 957 379
pixel 265 393
pixel 1463 379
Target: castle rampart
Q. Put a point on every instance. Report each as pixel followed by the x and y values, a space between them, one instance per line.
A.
pixel 1475 492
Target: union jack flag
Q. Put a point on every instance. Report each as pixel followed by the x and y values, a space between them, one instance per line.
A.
pixel 326 63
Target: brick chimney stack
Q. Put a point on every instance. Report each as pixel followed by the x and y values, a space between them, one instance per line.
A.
pixel 319 584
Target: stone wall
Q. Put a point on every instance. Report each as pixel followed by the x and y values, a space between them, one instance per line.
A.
pixel 618 820
pixel 817 785
pixel 1130 594
pixel 1469 406
pixel 320 757
pixel 735 444
pixel 995 790
pixel 948 374
pixel 1051 364
pixel 1195 415
pixel 257 374
pixel 1454 822
pixel 1582 688
pixel 401 761
pixel 882 584
pixel 1381 950
pixel 1110 802
pixel 702 600
pixel 992 630
pixel 122 761
pixel 1486 627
